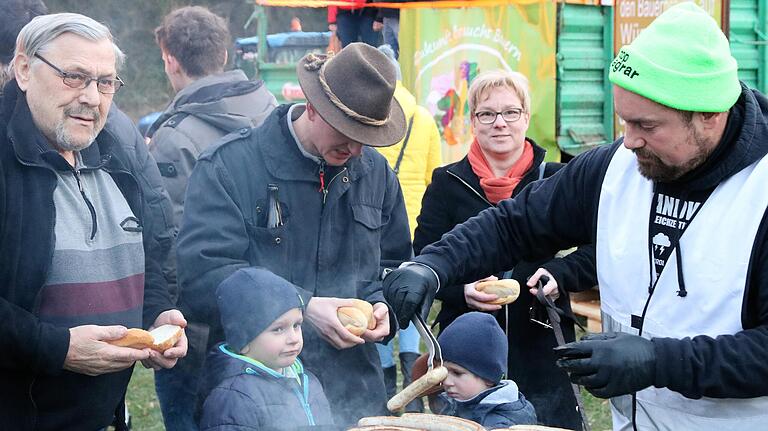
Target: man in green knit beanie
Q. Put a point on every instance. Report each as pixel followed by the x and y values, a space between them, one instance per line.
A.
pixel 699 140
pixel 678 212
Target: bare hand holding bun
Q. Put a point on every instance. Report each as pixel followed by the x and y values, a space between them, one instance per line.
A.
pixel 357 318
pixel 507 290
pixel 161 338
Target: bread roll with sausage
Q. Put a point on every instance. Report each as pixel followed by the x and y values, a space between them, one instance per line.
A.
pixel 507 290
pixel 161 338
pixel 358 317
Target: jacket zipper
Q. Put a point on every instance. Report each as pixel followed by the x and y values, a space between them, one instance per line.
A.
pixel 324 189
pixel 471 188
pixel 88 203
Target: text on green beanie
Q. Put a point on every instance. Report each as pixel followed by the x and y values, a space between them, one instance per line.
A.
pixel 681 60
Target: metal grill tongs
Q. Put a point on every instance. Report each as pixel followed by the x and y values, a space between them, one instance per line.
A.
pixel 433 347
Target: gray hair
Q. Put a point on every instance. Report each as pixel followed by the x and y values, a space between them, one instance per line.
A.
pixel 44 29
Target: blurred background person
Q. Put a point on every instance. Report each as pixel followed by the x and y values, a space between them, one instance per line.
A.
pixel 413 160
pixel 354 23
pixel 500 163
pixel 389 19
pixel 14 14
pixel 209 103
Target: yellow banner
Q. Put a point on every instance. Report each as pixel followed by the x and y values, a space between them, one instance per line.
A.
pixel 442 51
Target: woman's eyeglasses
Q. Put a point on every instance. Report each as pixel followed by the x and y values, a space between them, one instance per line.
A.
pixel 508 115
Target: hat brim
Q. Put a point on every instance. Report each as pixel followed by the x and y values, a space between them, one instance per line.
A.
pixel 388 134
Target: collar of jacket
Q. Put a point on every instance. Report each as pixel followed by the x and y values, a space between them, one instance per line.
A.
pixel 205 95
pixel 505 392
pixel 463 170
pixel 32 148
pixel 250 364
pixel 284 160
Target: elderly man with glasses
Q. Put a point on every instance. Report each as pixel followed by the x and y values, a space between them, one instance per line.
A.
pixel 80 246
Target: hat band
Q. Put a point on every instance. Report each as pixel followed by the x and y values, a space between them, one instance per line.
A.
pixel 314 61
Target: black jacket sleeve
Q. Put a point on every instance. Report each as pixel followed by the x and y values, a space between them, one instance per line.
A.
pixel 549 215
pixel 575 272
pixel 433 221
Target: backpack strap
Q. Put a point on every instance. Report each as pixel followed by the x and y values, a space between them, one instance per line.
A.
pixel 405 142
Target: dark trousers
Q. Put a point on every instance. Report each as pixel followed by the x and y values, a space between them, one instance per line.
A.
pixel 356 26
pixel 176 391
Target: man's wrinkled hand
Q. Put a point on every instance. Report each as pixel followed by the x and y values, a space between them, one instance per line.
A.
pixel 168 358
pixel 322 314
pixel 609 364
pixel 90 354
pixel 406 288
pixel 381 315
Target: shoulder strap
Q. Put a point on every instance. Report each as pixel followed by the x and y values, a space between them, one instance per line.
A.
pixel 405 142
pixel 542 168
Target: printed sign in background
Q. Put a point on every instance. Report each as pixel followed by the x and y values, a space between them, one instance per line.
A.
pixel 443 50
pixel 632 16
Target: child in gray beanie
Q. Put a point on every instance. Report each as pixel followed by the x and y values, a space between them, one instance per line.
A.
pixel 475 353
pixel 257 380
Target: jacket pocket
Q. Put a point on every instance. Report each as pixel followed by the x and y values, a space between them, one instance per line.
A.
pixel 368 216
pixel 268 246
pixel 367 230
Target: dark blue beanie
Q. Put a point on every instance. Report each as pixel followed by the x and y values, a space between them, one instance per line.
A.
pixel 476 342
pixel 250 300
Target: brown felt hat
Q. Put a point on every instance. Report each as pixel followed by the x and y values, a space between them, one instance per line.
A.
pixel 353 91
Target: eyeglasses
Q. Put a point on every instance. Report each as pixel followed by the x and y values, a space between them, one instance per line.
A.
pixel 80 80
pixel 508 115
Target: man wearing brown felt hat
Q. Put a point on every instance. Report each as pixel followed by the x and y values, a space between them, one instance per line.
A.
pixel 304 198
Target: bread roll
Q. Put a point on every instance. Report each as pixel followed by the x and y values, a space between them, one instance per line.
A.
pixel 135 338
pixel 507 290
pixel 165 336
pixel 161 338
pixel 358 317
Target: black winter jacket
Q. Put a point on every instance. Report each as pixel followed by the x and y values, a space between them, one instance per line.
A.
pixel 562 211
pixel 453 197
pixel 31 365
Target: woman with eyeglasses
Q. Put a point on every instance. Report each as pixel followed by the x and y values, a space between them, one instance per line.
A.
pixel 501 162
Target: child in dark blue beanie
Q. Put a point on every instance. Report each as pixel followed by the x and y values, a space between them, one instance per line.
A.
pixel 475 354
pixel 257 380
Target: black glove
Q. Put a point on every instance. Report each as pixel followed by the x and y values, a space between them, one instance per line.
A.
pixel 406 288
pixel 609 364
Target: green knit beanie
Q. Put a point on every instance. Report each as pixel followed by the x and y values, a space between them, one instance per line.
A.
pixel 682 60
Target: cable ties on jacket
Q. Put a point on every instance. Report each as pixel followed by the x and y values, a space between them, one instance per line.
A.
pixel 322 177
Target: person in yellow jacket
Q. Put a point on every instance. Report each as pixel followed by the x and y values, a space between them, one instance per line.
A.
pixel 413 159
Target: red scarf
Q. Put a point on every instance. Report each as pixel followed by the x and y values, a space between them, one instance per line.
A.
pixel 499 188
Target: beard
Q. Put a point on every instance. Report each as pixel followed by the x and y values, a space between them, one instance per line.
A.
pixel 653 168
pixel 66 141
